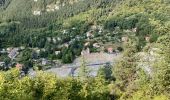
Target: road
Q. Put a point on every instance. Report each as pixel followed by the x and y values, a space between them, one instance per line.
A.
pixel 93 62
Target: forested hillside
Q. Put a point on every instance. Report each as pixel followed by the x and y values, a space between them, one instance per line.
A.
pixel 138 29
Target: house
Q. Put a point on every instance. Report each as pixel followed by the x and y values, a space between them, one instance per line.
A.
pixel 96 45
pixel 110 50
pixel 3 51
pixel 73 28
pixel 9 49
pixel 49 39
pixel 37 51
pixel 125 39
pixel 22 48
pixel 50 8
pixel 147 38
pixel 78 37
pixel 59 39
pixel 44 61
pixel 89 34
pixel 70 42
pixel 93 27
pixel 19 66
pixel 37 12
pixel 63 4
pixel 100 29
pixel 54 40
pixel 65 45
pixel 64 32
pixel 134 30
pixel 85 52
pixel 13 53
pixel 57 7
pixel 87 44
pixel 127 31
pixel 57 52
pixel 2 64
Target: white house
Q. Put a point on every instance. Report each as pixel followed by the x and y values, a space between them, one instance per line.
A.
pixel 96 45
pixel 2 64
pixel 57 7
pixel 37 12
pixel 44 61
pixel 89 34
pixel 54 40
pixel 49 39
pixel 85 52
pixel 57 52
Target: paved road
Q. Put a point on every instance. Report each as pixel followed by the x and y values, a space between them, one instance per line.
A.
pixel 93 62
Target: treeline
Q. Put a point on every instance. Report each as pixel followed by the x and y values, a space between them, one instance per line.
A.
pixel 20 25
pixel 49 87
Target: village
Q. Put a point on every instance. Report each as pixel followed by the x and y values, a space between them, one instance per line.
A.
pixel 97 46
pixel 98 49
pixel 27 57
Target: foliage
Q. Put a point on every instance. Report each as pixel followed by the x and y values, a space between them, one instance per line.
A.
pixel 49 87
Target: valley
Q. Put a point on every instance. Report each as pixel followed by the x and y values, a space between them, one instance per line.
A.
pixel 84 50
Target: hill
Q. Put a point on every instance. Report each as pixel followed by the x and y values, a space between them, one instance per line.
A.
pixel 62 30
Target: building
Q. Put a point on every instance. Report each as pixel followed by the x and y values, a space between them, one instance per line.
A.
pixel 49 39
pixel 134 30
pixel 54 40
pixel 9 49
pixel 64 32
pixel 19 66
pixel 22 48
pixel 58 38
pixel 65 45
pixel 37 12
pixel 44 61
pixel 85 52
pixel 89 34
pixel 2 64
pixel 3 51
pixel 110 50
pixel 50 8
pixel 125 39
pixel 57 7
pixel 57 52
pixel 147 38
pixel 13 53
pixel 96 45
pixel 87 44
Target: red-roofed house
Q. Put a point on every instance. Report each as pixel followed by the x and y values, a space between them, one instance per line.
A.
pixel 110 50
pixel 19 66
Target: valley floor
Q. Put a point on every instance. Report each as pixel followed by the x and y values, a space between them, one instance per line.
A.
pixel 93 61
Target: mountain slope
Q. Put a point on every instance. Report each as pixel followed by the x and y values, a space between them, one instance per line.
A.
pixel 139 29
